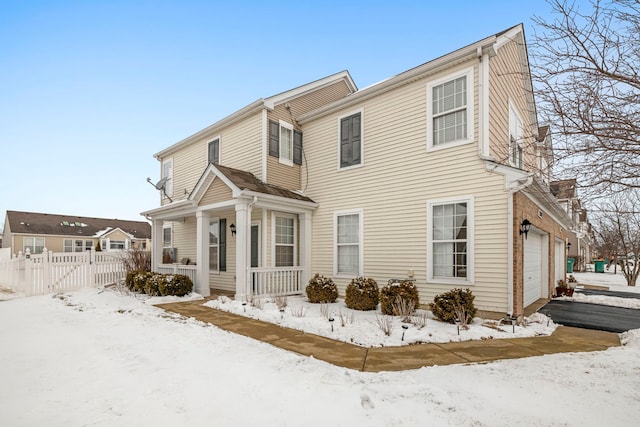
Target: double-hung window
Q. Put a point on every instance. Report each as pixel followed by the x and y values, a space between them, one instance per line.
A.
pixel 450 110
pixel 214 151
pixel 516 140
pixel 166 235
pixel 285 143
pixel 351 140
pixel 34 244
pixel 285 240
pixel 450 240
pixel 348 243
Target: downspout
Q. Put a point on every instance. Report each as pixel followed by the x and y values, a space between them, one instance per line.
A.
pixel 264 145
pixel 514 187
pixel 483 105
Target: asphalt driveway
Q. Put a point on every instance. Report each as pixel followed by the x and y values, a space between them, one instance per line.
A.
pixel 594 316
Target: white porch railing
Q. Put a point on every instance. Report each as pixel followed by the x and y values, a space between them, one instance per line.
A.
pixel 187 270
pixel 39 274
pixel 276 280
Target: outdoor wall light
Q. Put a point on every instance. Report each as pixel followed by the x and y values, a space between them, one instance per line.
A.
pixel 233 229
pixel 568 246
pixel 525 226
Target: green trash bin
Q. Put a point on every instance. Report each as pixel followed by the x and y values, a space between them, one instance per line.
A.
pixel 599 266
pixel 570 265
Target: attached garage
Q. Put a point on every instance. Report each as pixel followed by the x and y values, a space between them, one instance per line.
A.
pixel 534 268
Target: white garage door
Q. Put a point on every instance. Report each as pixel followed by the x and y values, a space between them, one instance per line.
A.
pixel 532 268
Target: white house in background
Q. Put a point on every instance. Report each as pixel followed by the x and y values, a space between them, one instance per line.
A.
pixel 434 174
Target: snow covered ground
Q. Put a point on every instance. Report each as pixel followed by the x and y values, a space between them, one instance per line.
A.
pixel 100 358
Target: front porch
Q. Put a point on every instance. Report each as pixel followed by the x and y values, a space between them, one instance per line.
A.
pixel 235 234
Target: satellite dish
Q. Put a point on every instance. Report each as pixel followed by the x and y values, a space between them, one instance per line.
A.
pixel 161 186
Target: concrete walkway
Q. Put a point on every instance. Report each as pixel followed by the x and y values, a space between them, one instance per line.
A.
pixel 564 339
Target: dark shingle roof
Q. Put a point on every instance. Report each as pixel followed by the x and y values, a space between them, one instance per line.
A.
pixel 247 181
pixel 69 225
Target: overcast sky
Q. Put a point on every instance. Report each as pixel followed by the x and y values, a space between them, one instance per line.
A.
pixel 90 90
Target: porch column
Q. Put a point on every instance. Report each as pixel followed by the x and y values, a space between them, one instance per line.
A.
pixel 242 249
pixel 305 246
pixel 202 254
pixel 156 243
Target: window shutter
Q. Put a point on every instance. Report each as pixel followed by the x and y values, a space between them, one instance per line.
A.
pixel 345 142
pixel 214 151
pixel 297 147
pixel 222 246
pixel 274 138
pixel 355 139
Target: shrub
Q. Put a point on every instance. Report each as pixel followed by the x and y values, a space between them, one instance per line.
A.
pixel 393 293
pixel 175 284
pixel 129 279
pixel 154 282
pixel 321 289
pixel 140 281
pixel 445 305
pixel 362 294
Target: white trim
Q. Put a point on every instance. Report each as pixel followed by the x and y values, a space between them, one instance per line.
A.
pixel 468 73
pixel 280 98
pixel 469 280
pixel 336 214
pixel 285 161
pixel 264 138
pixel 275 214
pixel 169 185
pixel 342 116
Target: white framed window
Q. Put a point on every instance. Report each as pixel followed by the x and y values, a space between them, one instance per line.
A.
pixel 214 246
pixel 450 110
pixel 350 140
pixel 348 237
pixel 450 229
pixel 76 245
pixel 67 245
pixel 34 244
pixel 167 172
pixel 117 245
pixel 167 236
pixel 286 143
pixel 285 253
pixel 516 137
pixel 88 245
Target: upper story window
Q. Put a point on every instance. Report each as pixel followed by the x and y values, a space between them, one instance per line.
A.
pixel 285 142
pixel 450 110
pixel 516 138
pixel 34 244
pixel 167 172
pixel 351 140
pixel 214 151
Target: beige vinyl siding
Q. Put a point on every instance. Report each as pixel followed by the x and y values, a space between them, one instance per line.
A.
pixel 239 148
pixel 218 192
pixel 289 176
pixel 116 235
pixel 399 177
pixel 506 84
pixel 184 238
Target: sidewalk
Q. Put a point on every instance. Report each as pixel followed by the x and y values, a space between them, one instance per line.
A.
pixel 564 339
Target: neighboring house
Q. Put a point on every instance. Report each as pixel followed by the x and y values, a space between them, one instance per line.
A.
pixel 581 237
pixel 429 175
pixel 67 233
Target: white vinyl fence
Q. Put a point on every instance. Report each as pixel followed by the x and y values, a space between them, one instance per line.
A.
pixel 66 271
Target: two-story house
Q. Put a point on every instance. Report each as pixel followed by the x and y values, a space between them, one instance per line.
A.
pixel 433 174
pixel 580 238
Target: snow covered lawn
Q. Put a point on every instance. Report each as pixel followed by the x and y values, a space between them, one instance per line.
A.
pixel 103 359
